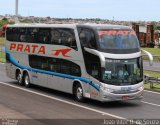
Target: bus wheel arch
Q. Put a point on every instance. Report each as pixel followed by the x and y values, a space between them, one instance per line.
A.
pixel 26 79
pixel 78 91
pixel 19 77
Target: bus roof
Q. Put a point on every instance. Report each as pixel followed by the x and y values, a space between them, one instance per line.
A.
pixel 93 26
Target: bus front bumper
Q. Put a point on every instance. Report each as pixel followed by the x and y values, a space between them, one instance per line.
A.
pixel 106 96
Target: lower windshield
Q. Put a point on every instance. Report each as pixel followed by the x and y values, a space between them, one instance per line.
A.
pixel 123 72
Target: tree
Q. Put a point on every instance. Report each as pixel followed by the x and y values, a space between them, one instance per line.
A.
pixel 2 22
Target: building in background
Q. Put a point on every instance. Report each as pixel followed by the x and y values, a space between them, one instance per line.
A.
pixel 148 37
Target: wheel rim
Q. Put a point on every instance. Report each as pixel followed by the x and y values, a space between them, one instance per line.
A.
pixel 79 93
pixel 19 78
pixel 27 80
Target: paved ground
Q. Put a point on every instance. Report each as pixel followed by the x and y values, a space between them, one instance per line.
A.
pixel 45 106
pixel 154 67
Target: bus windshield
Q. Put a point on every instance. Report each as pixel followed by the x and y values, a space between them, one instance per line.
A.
pixel 118 41
pixel 123 72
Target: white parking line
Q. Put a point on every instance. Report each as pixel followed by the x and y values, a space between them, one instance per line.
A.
pixel 152 92
pixel 151 103
pixel 2 63
pixel 67 102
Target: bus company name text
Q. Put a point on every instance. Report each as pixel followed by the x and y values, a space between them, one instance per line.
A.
pixel 37 49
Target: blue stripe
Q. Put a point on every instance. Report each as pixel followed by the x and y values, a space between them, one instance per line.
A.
pixel 16 63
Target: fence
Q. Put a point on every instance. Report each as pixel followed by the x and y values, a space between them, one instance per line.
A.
pixel 155 57
pixel 152 81
pixel 2 50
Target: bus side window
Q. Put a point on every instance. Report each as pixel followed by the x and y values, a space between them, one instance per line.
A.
pixel 22 35
pixel 9 34
pixel 61 36
pixel 70 68
pixel 54 65
pixel 87 38
pixel 94 69
pixel 44 35
pixel 14 36
pixel 32 35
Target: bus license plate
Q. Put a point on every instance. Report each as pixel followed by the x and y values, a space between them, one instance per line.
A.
pixel 125 97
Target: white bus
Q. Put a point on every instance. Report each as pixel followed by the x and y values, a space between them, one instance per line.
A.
pixel 101 62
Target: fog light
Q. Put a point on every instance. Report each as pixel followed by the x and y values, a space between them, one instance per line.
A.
pixel 109 90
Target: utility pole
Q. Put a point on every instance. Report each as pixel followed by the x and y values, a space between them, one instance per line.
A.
pixel 16 10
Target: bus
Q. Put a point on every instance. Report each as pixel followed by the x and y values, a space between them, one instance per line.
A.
pixel 97 61
pixel 2 31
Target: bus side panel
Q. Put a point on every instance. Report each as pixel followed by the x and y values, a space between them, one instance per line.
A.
pixel 39 79
pixel 66 84
pixel 53 82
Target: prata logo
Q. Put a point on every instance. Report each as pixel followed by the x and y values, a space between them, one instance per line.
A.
pixel 63 52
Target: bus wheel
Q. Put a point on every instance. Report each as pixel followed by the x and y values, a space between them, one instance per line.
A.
pixel 26 80
pixel 79 93
pixel 19 77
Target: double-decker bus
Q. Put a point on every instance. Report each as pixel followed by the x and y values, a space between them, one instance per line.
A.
pixel 101 62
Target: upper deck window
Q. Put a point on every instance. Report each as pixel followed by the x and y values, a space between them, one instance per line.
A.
pixel 118 41
pixel 87 38
pixel 54 36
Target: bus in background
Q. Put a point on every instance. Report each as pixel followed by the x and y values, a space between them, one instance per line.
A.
pixel 97 61
pixel 2 31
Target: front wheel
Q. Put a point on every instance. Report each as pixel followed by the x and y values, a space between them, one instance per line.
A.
pixel 79 93
pixel 27 80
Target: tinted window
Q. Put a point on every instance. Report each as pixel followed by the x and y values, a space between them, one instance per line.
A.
pixel 44 36
pixel 32 35
pixel 92 63
pixel 21 33
pixel 54 65
pixel 12 34
pixel 64 37
pixel 87 38
pixel 57 36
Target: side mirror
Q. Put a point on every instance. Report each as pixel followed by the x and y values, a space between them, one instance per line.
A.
pixel 149 56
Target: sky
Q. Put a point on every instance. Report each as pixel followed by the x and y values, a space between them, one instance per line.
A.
pixel 124 10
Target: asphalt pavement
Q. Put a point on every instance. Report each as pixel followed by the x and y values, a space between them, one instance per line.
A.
pixel 46 106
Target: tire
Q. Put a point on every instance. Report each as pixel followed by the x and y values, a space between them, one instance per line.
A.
pixel 78 92
pixel 27 80
pixel 19 78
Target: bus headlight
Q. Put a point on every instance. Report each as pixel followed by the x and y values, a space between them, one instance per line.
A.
pixel 107 89
pixel 141 88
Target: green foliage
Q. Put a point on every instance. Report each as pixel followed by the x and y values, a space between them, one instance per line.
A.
pixel 4 21
pixel 1 41
pixel 152 73
pixel 155 88
pixel 157 27
pixel 153 51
